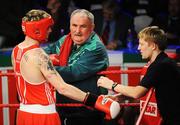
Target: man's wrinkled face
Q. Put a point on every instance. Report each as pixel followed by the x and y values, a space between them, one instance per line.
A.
pixel 81 28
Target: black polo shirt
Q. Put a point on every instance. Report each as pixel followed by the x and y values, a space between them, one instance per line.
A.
pixel 164 76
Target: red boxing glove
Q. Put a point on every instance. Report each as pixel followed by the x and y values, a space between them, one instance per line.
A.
pixel 55 59
pixel 104 104
pixel 109 106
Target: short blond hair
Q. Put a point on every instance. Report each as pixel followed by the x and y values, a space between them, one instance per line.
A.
pixel 154 34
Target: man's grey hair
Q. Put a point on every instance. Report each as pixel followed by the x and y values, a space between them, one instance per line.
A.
pixel 85 13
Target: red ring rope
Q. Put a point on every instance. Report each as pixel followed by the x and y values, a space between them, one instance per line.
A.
pixel 7 74
pixel 69 105
pixel 101 73
pixel 120 72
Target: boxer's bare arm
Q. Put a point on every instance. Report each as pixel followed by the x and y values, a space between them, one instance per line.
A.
pixel 46 67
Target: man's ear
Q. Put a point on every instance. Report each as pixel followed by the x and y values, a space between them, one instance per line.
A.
pixel 154 46
pixel 93 26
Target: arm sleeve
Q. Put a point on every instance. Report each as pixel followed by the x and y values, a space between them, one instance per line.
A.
pixel 154 76
pixel 88 64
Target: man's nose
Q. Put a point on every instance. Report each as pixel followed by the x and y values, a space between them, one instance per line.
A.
pixel 78 29
pixel 138 47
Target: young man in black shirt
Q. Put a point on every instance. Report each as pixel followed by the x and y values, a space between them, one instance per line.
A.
pixel 162 74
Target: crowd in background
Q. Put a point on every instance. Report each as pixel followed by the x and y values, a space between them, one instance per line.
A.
pixel 125 18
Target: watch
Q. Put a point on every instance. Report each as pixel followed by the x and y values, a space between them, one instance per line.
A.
pixel 114 85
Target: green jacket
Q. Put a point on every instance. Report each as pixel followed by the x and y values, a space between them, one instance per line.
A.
pixel 83 64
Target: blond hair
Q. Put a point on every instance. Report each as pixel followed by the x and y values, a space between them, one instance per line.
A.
pixel 154 34
pixel 35 15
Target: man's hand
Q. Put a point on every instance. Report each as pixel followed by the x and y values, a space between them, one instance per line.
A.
pixel 105 82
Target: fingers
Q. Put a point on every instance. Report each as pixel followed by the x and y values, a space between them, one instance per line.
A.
pixel 100 80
